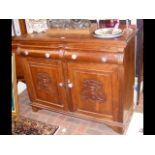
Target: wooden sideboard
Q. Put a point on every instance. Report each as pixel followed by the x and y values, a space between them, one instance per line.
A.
pixel 79 75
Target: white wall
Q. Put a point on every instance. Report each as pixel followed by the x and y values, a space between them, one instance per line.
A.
pixel 134 21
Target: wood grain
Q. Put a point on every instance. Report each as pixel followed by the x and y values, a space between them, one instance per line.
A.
pixel 82 76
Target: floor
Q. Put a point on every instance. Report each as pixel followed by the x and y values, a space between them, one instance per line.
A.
pixel 136 124
pixel 139 108
pixel 67 125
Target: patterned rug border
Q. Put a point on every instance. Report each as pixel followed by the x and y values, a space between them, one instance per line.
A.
pixel 22 125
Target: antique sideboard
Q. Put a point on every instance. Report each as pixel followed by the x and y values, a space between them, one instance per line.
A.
pixel 79 75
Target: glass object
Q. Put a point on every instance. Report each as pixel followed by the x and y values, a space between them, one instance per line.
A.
pixel 111 22
pixel 128 30
pixel 36 25
pixel 69 23
pixel 127 24
pixel 98 23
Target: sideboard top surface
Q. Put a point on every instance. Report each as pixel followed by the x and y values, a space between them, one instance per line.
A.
pixel 71 41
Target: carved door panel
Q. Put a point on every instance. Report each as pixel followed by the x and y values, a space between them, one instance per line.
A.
pixel 94 89
pixel 43 79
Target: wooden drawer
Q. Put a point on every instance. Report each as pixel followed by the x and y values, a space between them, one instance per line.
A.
pixel 41 53
pixel 80 75
pixel 94 56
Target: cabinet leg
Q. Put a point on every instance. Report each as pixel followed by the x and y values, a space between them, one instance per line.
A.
pixel 35 109
pixel 119 130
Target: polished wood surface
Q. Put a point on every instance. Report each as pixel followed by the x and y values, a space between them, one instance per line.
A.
pixel 93 85
pixel 22 26
pixel 43 79
pixel 80 75
pixel 19 69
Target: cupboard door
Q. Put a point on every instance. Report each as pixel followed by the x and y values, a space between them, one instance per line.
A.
pixel 94 89
pixel 44 79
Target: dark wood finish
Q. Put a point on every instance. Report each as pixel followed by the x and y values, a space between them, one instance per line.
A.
pixel 93 85
pixel 43 79
pixel 80 76
pixel 35 109
pixel 139 56
pixel 19 69
pixel 22 26
pixel 128 81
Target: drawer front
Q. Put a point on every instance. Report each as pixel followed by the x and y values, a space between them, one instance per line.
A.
pixel 94 56
pixel 40 53
pixel 70 55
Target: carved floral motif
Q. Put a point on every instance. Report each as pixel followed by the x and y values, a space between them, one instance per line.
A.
pixel 43 80
pixel 92 90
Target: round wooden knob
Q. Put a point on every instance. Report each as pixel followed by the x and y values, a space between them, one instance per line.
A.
pixel 104 59
pixel 74 56
pixel 26 53
pixel 18 50
pixel 47 55
pixel 70 85
pixel 61 84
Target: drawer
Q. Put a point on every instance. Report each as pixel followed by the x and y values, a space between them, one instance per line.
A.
pixel 40 53
pixel 94 56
